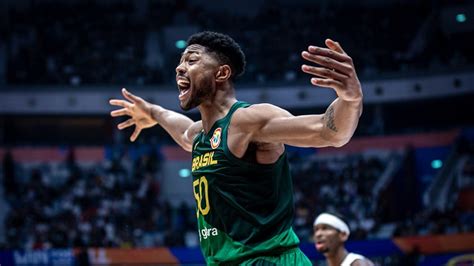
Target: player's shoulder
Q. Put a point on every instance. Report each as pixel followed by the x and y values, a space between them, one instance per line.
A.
pixel 196 126
pixel 259 107
pixel 362 262
pixel 260 111
pixel 193 130
pixel 254 116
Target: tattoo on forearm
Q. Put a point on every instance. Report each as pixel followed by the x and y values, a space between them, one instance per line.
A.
pixel 329 117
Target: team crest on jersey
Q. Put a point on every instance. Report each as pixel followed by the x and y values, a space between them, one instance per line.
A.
pixel 216 138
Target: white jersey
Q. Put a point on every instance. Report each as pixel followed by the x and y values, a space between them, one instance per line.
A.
pixel 350 258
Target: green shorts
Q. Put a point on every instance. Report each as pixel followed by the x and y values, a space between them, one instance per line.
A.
pixel 293 256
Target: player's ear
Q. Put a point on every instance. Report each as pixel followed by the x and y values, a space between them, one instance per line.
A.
pixel 223 73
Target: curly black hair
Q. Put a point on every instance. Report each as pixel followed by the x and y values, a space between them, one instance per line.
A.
pixel 224 47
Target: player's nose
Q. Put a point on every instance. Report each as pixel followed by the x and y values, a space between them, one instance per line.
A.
pixel 180 69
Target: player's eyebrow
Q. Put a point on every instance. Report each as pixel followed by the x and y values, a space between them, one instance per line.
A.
pixel 188 53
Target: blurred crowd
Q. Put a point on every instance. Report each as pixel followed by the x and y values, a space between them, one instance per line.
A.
pixel 89 42
pixel 348 185
pixel 82 43
pixel 458 215
pixel 340 185
pixel 117 202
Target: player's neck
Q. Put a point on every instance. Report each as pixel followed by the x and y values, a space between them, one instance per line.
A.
pixel 216 108
pixel 336 258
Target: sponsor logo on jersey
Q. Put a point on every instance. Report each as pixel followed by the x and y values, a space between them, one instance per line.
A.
pixel 216 138
pixel 207 232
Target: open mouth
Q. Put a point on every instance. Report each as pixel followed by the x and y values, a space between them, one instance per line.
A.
pixel 184 87
pixel 319 244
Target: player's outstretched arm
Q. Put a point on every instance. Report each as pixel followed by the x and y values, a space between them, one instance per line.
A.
pixel 268 123
pixel 336 70
pixel 145 115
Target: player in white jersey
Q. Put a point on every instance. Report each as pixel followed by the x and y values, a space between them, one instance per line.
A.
pixel 330 234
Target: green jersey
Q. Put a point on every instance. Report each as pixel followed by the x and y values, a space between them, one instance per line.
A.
pixel 244 209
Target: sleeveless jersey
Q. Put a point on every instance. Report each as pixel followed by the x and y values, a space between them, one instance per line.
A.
pixel 243 209
pixel 350 258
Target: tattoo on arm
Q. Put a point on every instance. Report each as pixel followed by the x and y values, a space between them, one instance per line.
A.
pixel 329 116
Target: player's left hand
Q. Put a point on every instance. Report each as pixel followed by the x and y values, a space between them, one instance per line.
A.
pixel 336 70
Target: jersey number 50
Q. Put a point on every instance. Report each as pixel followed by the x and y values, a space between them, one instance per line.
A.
pixel 202 188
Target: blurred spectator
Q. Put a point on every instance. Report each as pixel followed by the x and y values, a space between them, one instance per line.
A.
pixel 92 206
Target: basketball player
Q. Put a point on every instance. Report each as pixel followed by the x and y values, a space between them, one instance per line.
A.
pixel 241 177
pixel 330 233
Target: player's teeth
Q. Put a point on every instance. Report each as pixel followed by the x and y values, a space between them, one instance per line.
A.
pixel 183 83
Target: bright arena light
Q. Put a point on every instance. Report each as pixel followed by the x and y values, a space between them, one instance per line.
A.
pixel 180 44
pixel 436 164
pixel 460 17
pixel 184 173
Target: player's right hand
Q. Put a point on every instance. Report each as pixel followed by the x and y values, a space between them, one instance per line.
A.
pixel 139 110
pixel 336 70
